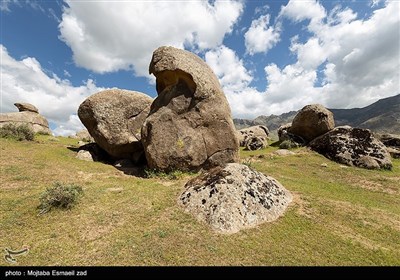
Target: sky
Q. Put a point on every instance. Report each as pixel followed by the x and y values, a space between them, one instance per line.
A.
pixel 270 57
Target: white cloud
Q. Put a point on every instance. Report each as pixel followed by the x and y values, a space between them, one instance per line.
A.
pixel 129 31
pixel 359 59
pixel 260 38
pixel 299 10
pixel 232 75
pixel 57 100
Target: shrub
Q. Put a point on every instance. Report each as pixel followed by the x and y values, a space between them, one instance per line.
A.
pixel 288 144
pixel 172 175
pixel 60 196
pixel 17 132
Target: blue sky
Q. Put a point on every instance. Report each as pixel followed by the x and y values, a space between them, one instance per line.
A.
pixel 270 56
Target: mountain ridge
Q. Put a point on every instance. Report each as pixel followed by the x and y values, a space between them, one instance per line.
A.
pixel 382 116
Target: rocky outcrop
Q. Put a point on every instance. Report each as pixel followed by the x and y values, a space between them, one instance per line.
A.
pixel 235 197
pixel 354 147
pixel 114 119
pixel 312 121
pixel 245 133
pixel 189 125
pixel 254 143
pixel 28 114
pixel 22 107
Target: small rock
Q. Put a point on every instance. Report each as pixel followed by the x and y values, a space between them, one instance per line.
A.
pixel 324 165
pixel 284 152
pixel 84 155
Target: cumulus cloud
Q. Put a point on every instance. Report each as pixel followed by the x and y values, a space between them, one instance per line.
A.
pixel 358 61
pixel 57 99
pixel 260 37
pixel 129 31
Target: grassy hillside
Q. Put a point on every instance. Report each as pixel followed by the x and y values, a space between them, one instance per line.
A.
pixel 340 216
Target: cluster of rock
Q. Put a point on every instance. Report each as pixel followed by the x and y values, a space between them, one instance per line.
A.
pixel 254 137
pixel 188 126
pixel 28 114
pixel 314 126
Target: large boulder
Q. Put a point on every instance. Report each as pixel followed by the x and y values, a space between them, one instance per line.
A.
pixel 354 147
pixel 312 121
pixel 28 114
pixel 234 197
pixel 189 126
pixel 257 130
pixel 114 119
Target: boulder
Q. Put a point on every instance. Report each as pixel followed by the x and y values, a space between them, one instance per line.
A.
pixel 312 121
pixel 285 135
pixel 28 114
pixel 234 197
pixel 257 130
pixel 84 155
pixel 283 132
pixel 395 153
pixel 390 140
pixel 254 143
pixel 114 118
pixel 92 152
pixel 84 135
pixel 354 147
pixel 189 126
pixel 26 107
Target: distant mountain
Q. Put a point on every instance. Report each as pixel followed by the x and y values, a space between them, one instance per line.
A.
pixel 382 116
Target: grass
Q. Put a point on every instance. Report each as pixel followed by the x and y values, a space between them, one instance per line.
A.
pixel 339 216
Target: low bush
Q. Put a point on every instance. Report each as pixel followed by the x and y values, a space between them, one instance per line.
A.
pixel 288 144
pixel 18 132
pixel 59 196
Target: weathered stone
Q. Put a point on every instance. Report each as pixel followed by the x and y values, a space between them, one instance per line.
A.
pixel 395 153
pixel 114 118
pixel 254 143
pixel 84 155
pixel 312 121
pixel 352 146
pixel 245 133
pixel 96 152
pixel 234 197
pixel 390 140
pixel 284 152
pixel 37 122
pixel 26 107
pixel 282 132
pixel 189 126
pixel 84 135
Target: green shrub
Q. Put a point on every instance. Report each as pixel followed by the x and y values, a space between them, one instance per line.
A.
pixel 173 175
pixel 60 196
pixel 17 132
pixel 288 144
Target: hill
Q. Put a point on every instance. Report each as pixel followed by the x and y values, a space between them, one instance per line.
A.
pixel 382 116
pixel 339 216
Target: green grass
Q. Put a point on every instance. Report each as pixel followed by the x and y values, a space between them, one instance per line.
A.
pixel 339 216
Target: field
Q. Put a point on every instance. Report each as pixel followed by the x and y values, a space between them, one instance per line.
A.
pixel 339 216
